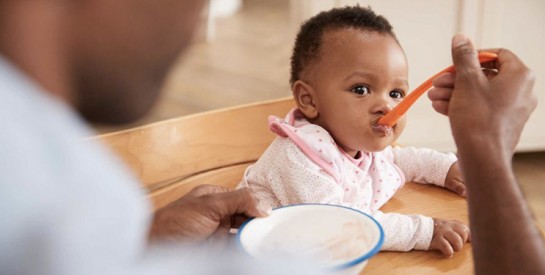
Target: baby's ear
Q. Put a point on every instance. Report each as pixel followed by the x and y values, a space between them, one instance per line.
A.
pixel 305 98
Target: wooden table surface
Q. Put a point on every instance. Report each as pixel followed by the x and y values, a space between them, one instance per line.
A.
pixel 434 202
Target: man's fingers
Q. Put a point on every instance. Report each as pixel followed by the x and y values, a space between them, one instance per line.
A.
pixel 464 56
pixel 440 106
pixel 220 239
pixel 240 201
pixel 491 64
pixel 490 73
pixel 445 80
pixel 505 58
pixel 440 98
pixel 238 220
pixel 440 94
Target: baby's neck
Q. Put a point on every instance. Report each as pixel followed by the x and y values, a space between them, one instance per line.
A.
pixel 357 155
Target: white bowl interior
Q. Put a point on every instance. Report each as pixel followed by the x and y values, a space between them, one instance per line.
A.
pixel 331 235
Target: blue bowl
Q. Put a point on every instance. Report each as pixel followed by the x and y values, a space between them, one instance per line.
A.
pixel 336 238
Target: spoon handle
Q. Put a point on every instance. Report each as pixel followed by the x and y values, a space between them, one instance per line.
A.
pixel 391 118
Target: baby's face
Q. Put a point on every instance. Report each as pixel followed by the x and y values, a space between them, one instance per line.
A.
pixel 359 77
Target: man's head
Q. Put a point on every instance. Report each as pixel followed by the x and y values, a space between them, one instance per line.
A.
pixel 107 58
pixel 121 51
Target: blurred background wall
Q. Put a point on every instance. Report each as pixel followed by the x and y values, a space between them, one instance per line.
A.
pixel 241 54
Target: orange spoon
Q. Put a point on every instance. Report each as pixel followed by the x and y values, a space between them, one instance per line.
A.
pixel 391 118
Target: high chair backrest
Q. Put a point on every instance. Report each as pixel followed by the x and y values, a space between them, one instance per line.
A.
pixel 171 157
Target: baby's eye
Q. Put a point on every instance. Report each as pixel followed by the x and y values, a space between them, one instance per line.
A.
pixel 361 90
pixel 397 94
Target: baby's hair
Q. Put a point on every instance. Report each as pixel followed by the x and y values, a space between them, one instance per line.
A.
pixel 308 40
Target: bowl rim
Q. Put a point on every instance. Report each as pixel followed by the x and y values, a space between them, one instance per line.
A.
pixel 346 265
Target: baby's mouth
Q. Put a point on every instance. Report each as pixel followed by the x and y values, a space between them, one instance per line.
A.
pixel 383 129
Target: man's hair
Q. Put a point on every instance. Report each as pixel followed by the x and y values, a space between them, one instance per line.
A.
pixel 308 40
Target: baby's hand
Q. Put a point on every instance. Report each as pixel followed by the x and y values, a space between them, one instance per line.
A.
pixel 454 181
pixel 449 236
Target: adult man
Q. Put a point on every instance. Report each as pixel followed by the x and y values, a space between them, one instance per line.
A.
pixel 67 206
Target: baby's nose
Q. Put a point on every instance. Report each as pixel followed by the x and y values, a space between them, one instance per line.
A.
pixel 382 107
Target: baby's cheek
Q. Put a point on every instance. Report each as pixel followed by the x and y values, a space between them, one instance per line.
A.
pixel 400 126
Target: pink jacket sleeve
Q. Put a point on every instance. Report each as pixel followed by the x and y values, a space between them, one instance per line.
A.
pixel 423 165
pixel 405 232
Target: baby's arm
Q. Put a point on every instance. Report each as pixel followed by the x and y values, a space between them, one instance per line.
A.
pixel 285 175
pixel 429 166
pixel 405 232
pixel 423 165
pixel 408 232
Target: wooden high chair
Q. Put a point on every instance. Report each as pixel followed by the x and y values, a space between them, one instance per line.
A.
pixel 173 156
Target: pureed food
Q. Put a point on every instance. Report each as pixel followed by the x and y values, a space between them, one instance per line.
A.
pixel 309 238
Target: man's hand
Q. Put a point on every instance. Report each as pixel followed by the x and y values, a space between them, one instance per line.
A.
pixel 485 109
pixel 205 211
pixel 487 112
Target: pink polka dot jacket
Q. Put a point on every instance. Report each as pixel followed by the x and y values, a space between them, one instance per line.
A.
pixel 304 165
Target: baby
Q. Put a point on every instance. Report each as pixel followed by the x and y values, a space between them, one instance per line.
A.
pixel 347 71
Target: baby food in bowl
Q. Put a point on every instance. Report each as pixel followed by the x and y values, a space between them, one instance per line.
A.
pixel 338 239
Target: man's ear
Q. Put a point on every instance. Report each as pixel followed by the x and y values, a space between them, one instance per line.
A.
pixel 305 98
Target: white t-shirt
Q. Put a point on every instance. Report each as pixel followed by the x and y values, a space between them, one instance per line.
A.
pixel 67 206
